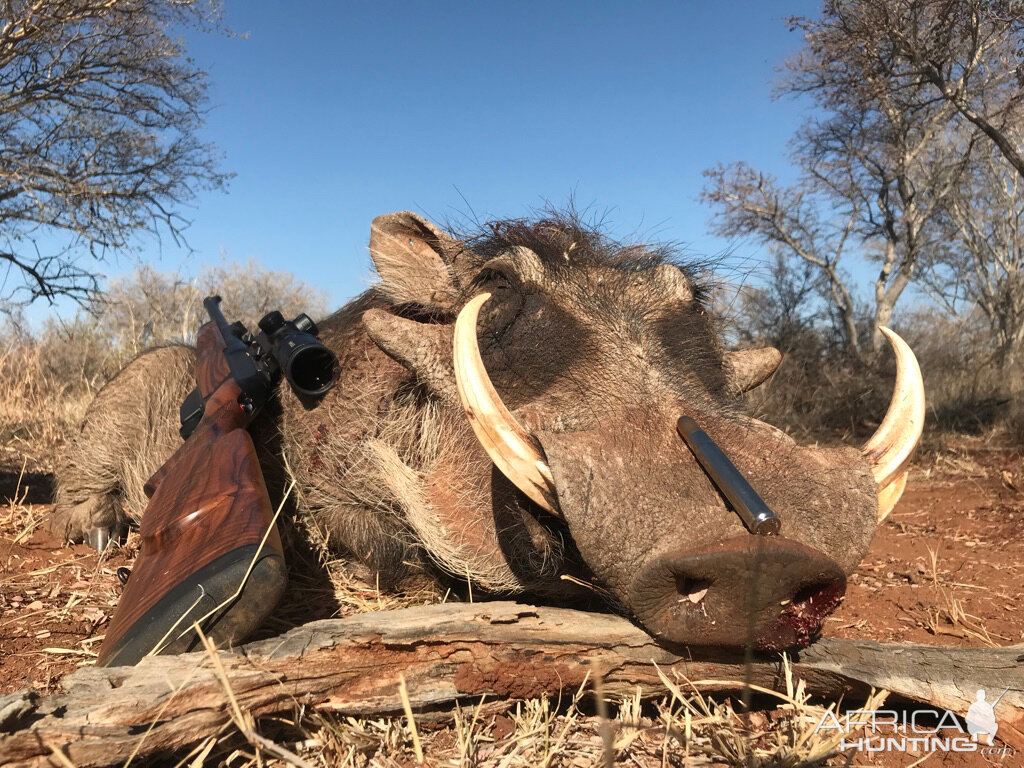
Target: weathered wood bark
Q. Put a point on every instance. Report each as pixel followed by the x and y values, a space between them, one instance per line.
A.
pixel 450 653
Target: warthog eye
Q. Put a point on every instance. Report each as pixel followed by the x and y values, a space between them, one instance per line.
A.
pixel 491 278
pixel 496 274
pixel 499 278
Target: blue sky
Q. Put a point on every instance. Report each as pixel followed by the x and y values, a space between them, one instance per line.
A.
pixel 331 113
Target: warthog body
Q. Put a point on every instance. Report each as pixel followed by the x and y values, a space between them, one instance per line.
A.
pixel 596 349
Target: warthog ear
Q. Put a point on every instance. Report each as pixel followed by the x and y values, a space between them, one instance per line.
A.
pixel 414 260
pixel 747 368
pixel 424 348
pixel 673 279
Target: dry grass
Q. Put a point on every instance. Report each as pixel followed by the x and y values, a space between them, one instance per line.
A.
pixel 820 392
pixel 947 616
pixel 53 607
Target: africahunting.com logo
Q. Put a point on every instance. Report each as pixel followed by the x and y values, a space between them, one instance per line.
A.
pixel 919 730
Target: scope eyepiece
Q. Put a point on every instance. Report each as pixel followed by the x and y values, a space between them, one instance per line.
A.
pixel 310 367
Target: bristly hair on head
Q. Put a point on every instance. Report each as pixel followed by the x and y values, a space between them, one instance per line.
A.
pixel 562 240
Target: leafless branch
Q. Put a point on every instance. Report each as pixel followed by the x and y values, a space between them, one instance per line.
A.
pixel 99 111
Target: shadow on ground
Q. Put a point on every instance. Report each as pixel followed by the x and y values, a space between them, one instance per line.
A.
pixel 25 487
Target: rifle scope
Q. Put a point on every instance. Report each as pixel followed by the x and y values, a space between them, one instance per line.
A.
pixel 310 368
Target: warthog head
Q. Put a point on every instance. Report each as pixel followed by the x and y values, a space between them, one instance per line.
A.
pixel 550 367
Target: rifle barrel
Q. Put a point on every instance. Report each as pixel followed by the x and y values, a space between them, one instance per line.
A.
pixel 212 306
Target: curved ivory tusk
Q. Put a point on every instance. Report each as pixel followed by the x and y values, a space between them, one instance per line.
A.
pixel 890 448
pixel 889 494
pixel 511 447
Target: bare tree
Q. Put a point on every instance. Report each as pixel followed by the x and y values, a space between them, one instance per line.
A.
pixel 891 166
pixel 982 263
pixel 99 110
pixel 967 53
pixel 749 203
pixel 875 170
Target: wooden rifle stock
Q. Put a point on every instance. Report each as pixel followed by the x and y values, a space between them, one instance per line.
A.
pixel 209 551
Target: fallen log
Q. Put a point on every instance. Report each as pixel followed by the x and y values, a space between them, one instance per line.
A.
pixel 458 653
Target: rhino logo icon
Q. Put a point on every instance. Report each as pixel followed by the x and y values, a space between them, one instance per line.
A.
pixel 981 718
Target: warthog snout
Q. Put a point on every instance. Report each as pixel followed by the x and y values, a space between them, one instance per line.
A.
pixel 767 592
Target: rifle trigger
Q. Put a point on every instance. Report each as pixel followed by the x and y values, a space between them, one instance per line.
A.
pixel 122 574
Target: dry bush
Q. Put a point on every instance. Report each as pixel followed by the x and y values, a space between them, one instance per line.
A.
pixel 814 395
pixel 150 307
pixel 78 355
pixel 1013 422
pixel 817 395
pixel 821 390
pixel 968 392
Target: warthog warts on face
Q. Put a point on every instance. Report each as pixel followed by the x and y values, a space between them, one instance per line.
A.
pixel 506 413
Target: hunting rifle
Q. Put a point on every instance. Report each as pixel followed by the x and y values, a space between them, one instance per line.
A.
pixel 210 554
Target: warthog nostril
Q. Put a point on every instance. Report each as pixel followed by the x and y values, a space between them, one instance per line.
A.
pixel 805 595
pixel 690 589
pixel 770 593
pixel 811 603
